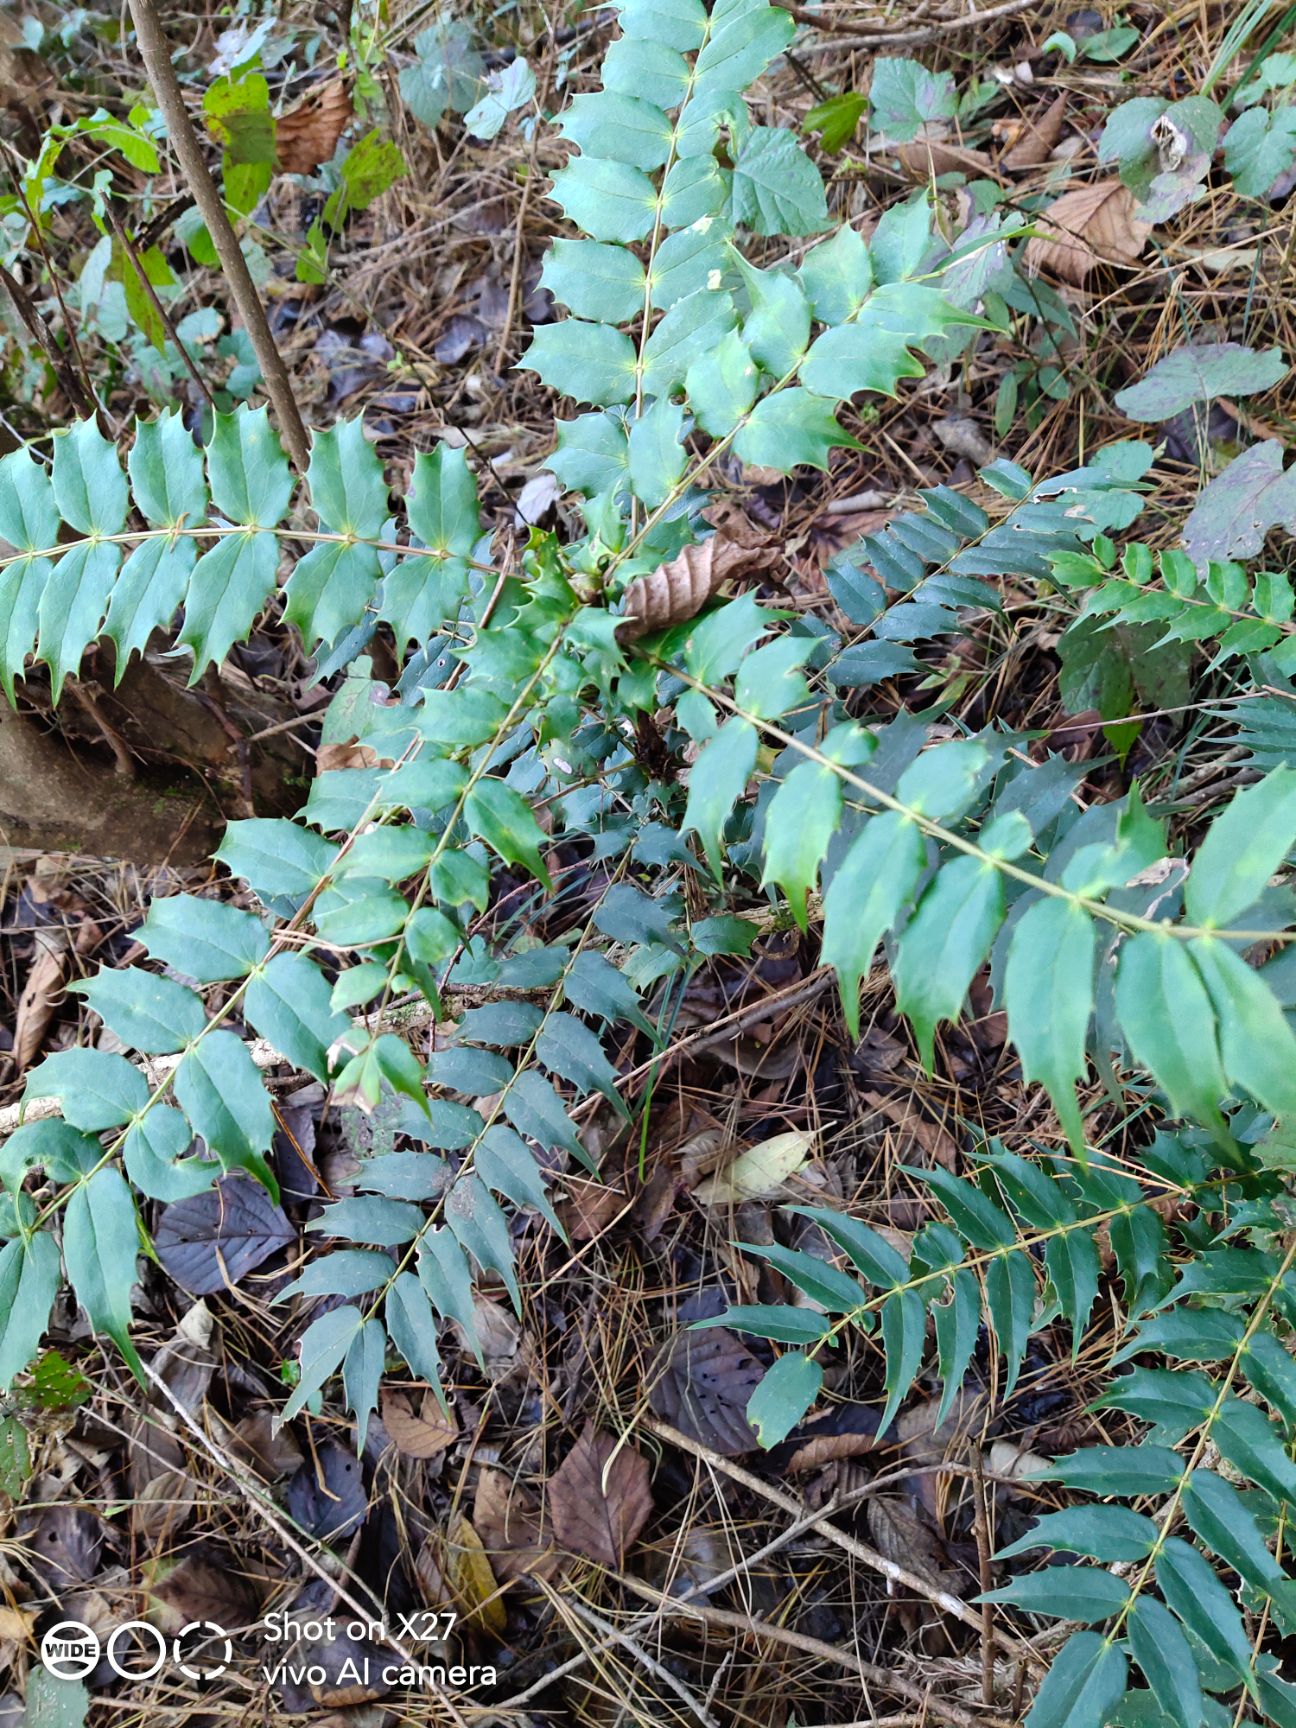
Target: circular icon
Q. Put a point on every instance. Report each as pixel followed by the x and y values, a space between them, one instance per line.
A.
pixel 114 1661
pixel 70 1650
pixel 193 1670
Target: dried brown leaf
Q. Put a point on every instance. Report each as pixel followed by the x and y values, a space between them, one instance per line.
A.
pixel 677 591
pixel 1092 223
pixel 704 1387
pixel 308 135
pixel 510 1522
pixel 201 1587
pixel 828 1449
pixel 453 1568
pixel 590 1208
pixel 418 1434
pixel 331 756
pixel 599 1498
pixel 902 1534
pixel 928 156
pixel 937 1143
pixel 1039 137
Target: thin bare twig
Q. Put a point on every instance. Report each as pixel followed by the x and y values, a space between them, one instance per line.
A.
pixel 151 295
pixel 891 1570
pixel 155 52
pixel 864 37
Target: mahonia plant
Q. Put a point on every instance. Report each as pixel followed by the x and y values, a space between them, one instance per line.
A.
pixel 400 893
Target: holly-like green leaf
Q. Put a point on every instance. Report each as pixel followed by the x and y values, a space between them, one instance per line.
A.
pixel 1243 848
pixel 288 1002
pixel 876 349
pixel 1166 1016
pixel 206 940
pixel 836 276
pixel 413 1327
pixel 72 606
pixel 153 1154
pixel 150 1014
pixel 618 129
pixel 693 327
pixel 89 486
pixel 657 453
pixel 347 489
pixel 569 1049
pixel 606 200
pixel 251 482
pixel 29 1282
pixel 593 453
pixel 230 584
pixel 1158 1645
pixel 362 1369
pixel 146 594
pixel 1083 1686
pixel 783 1397
pixel 502 818
pixel 721 385
pixel 166 473
pixel 594 280
pixel 789 428
pixel 1191 1588
pixel 100 1243
pixel 218 1087
pixel 1048 993
pixel 717 781
pixel 276 857
pixel 868 890
pixel 743 40
pixel 1107 1533
pixel 802 818
pixel 29 517
pixel 324 1345
pixel 647 70
pixel 97 1089
pixel 944 944
pixel 589 362
pixel 1084 1593
pixel 1256 1042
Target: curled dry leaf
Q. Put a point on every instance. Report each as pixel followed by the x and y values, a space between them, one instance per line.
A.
pixel 418 1434
pixel 821 1449
pixel 1039 136
pixel 1092 223
pixel 40 994
pixel 599 1498
pixel 308 135
pixel 677 591
pixel 759 1171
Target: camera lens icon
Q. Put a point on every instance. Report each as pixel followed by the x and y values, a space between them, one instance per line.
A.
pixel 70 1650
